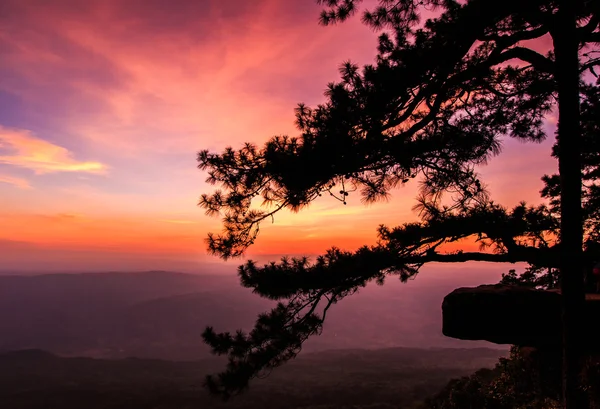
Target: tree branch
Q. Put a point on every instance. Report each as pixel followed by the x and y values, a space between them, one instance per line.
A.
pixel 589 65
pixel 505 41
pixel 537 60
pixel 523 254
pixel 591 37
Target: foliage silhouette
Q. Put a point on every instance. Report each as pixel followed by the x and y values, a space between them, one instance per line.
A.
pixel 536 275
pixel 525 379
pixel 434 106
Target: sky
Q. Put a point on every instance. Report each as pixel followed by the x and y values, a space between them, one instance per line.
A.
pixel 104 105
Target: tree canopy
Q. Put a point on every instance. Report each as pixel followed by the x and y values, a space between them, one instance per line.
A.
pixel 434 106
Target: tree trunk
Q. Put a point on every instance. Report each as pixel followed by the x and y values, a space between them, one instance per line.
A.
pixel 569 164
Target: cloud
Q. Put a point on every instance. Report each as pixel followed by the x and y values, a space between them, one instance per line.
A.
pixel 145 76
pixel 61 217
pixel 179 221
pixel 12 245
pixel 18 182
pixel 19 147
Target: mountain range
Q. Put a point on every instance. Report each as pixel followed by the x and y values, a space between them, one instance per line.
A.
pixel 162 314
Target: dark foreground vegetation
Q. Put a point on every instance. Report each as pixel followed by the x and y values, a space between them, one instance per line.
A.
pixel 378 379
pixel 526 379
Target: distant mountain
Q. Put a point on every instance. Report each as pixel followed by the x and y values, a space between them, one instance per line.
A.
pixel 375 379
pixel 161 314
pixel 116 314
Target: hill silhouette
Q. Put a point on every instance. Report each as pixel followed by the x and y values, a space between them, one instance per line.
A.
pixel 388 378
pixel 162 315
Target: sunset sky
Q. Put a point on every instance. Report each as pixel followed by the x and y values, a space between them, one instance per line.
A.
pixel 105 103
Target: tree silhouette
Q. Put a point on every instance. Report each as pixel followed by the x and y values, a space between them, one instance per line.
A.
pixel 434 106
pixel 538 276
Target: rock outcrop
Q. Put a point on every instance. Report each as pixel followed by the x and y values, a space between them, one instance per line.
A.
pixel 513 315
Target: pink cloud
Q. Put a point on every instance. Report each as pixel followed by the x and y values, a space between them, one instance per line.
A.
pixel 149 76
pixel 15 181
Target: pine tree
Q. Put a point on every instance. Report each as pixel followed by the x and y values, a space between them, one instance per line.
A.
pixel 434 106
pixel 547 278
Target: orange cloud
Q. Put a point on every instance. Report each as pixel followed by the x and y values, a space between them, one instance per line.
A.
pixel 117 234
pixel 60 217
pixel 22 149
pixel 179 221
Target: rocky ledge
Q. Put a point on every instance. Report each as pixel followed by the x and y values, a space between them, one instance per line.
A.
pixel 513 315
